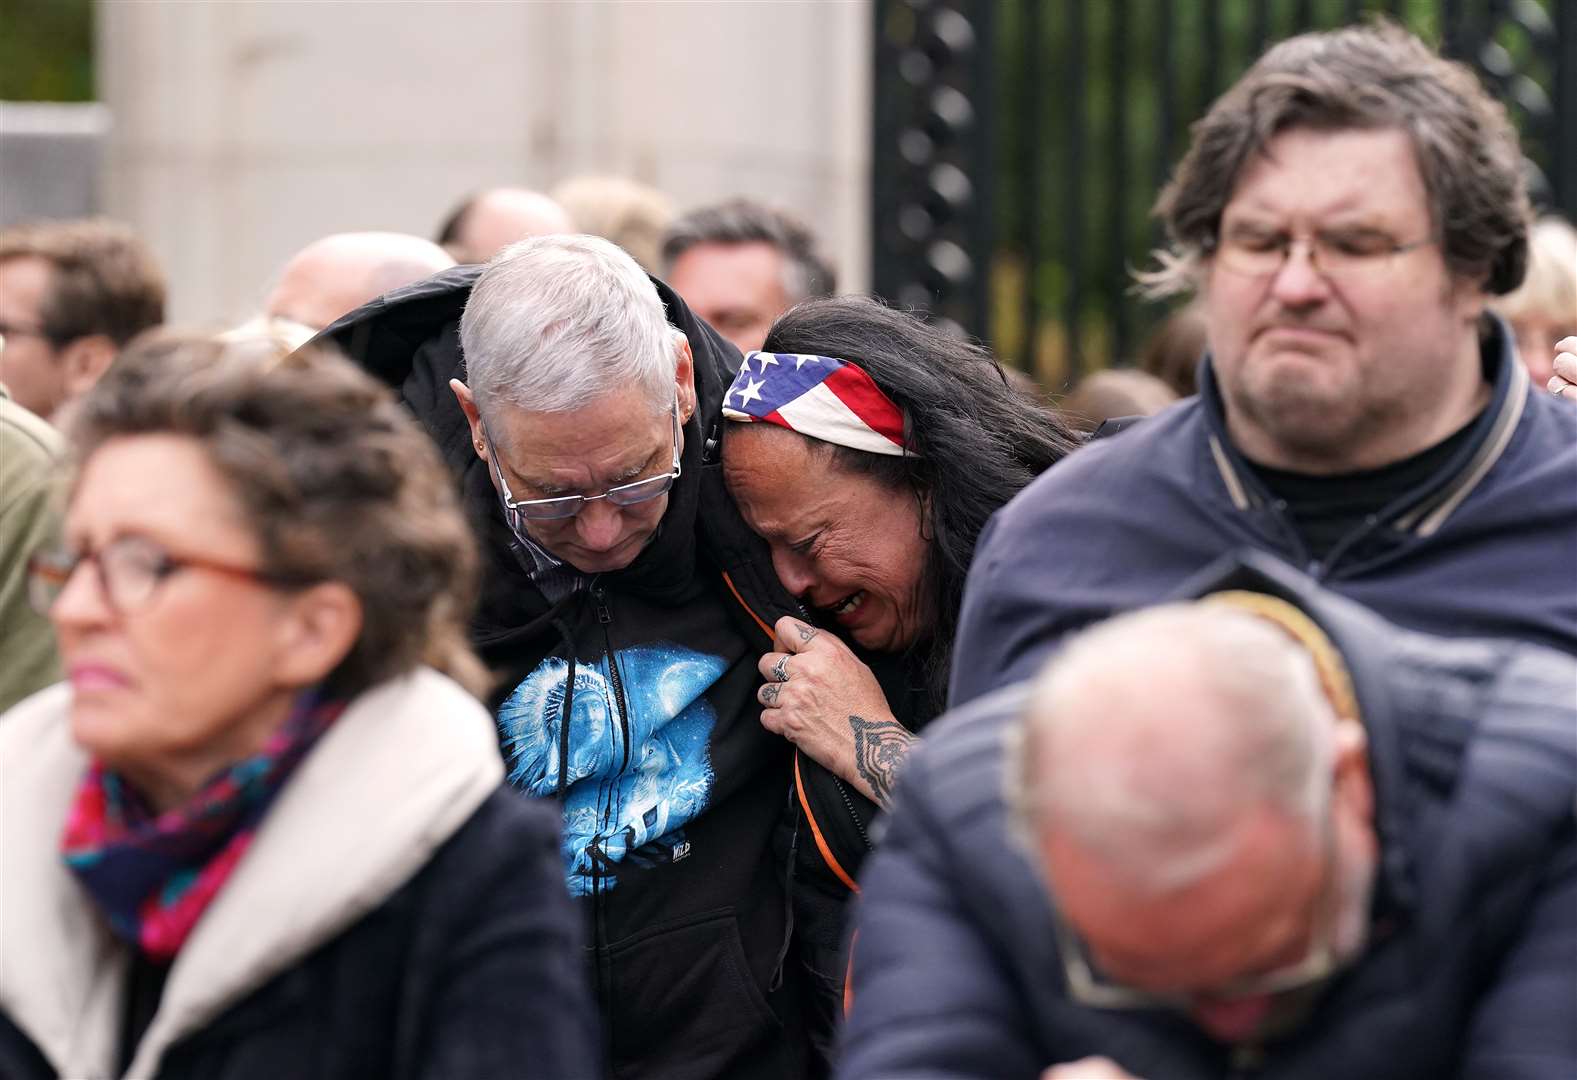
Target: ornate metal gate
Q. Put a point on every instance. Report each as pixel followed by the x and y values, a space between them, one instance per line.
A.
pixel 1020 143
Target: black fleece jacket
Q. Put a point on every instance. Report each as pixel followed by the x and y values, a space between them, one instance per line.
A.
pixel 672 788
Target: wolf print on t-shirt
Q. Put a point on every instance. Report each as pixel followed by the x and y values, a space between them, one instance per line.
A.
pixel 632 781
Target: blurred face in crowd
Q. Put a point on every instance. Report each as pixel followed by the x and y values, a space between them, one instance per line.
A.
pixel 842 542
pixel 736 288
pixel 1350 353
pixel 615 440
pixel 1236 948
pixel 1536 337
pixel 30 365
pixel 181 659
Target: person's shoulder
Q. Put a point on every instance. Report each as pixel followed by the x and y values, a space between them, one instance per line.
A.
pixel 27 441
pixel 422 694
pixel 1531 713
pixel 509 821
pixel 1546 437
pixel 957 765
pixel 385 334
pixel 972 729
pixel 1486 728
pixel 36 724
pixel 508 847
pixel 1139 455
pixel 1545 408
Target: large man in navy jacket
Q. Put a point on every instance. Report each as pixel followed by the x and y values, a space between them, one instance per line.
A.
pixel 1266 834
pixel 1345 211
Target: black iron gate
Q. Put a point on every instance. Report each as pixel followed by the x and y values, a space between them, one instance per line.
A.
pixel 1020 143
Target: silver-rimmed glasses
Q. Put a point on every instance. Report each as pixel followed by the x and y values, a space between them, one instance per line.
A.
pixel 567 506
pixel 1353 253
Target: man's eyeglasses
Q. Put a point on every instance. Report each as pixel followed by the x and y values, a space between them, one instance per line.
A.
pixel 1347 254
pixel 130 571
pixel 567 506
pixel 1090 986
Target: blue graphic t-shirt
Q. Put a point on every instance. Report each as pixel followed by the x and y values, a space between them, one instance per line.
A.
pixel 633 781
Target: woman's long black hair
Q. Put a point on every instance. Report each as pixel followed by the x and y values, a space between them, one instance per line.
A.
pixel 976 440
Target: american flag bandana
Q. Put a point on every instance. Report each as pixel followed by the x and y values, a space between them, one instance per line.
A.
pixel 818 396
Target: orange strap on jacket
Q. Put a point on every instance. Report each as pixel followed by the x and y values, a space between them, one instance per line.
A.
pixel 765 629
pixel 815 831
pixel 799 788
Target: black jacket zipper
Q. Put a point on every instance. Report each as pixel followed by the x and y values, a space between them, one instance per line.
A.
pixel 599 599
pixel 849 805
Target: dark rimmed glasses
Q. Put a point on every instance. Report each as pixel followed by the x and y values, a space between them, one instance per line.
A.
pixel 130 570
pixel 567 506
pixel 1342 254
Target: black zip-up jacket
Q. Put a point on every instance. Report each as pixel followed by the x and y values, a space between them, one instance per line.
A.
pixel 672 787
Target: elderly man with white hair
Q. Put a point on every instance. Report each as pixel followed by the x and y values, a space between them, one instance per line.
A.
pixel 625 605
pixel 1260 834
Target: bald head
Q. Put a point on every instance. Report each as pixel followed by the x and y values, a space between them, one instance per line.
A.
pixel 339 273
pixel 487 223
pixel 1151 735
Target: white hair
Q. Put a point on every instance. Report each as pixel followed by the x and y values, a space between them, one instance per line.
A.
pixel 1148 738
pixel 557 322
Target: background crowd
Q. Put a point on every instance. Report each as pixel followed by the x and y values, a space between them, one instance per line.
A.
pixel 537 649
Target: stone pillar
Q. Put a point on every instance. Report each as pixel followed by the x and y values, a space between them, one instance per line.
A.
pixel 243 131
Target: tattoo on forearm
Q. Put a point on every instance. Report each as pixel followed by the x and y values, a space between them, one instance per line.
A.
pixel 769 693
pixel 880 748
pixel 806 632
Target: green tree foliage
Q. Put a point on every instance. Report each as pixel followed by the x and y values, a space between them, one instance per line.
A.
pixel 46 50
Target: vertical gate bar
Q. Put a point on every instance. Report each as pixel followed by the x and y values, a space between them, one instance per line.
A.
pixel 884 280
pixel 1303 14
pixel 1117 183
pixel 1563 59
pixel 980 237
pixel 1259 28
pixel 1165 43
pixel 1034 43
pixel 1210 58
pixel 1451 27
pixel 1351 9
pixel 1073 196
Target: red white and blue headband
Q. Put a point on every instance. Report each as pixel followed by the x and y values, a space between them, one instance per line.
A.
pixel 818 396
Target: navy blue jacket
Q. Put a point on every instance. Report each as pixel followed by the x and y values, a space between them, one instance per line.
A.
pixel 1471 971
pixel 433 983
pixel 1486 548
pixel 399 914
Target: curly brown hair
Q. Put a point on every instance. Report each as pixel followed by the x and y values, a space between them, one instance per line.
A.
pixel 1365 77
pixel 338 481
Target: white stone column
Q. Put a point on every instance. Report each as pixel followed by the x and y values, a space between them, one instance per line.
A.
pixel 244 130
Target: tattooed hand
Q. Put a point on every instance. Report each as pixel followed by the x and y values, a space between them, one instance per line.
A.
pixel 880 747
pixel 832 709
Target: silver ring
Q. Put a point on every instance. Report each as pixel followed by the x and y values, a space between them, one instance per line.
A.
pixel 780 669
